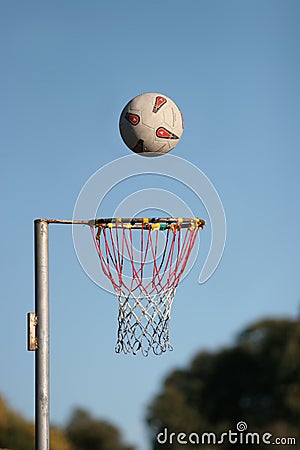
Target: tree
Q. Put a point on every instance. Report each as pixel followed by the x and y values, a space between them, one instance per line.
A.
pixel 15 432
pixel 87 433
pixel 256 381
pixel 18 433
pixel 82 433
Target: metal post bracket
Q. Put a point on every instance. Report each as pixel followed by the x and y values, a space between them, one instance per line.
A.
pixel 32 340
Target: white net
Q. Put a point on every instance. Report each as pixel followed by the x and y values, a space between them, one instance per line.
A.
pixel 143 322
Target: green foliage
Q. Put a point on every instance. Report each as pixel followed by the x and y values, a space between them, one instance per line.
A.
pixel 82 433
pixel 85 433
pixel 59 440
pixel 15 432
pixel 18 434
pixel 256 381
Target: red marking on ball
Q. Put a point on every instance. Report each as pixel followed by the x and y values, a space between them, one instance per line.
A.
pixel 163 133
pixel 159 102
pixel 134 119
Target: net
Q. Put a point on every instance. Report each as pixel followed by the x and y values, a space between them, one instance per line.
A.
pixel 144 259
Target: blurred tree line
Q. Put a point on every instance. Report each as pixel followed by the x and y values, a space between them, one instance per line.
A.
pixel 256 381
pixel 83 432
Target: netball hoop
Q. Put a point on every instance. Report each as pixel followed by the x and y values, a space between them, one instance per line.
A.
pixel 144 258
pixel 154 254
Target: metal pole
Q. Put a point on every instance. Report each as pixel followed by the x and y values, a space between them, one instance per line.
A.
pixel 42 437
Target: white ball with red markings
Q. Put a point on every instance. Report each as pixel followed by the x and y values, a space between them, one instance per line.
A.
pixel 151 124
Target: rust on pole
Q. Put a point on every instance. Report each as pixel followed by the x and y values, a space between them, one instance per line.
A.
pixel 32 342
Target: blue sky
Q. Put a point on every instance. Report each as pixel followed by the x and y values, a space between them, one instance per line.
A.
pixel 67 70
